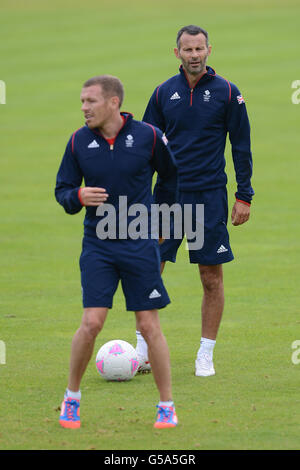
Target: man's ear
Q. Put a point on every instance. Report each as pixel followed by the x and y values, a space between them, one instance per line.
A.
pixel 115 101
pixel 176 52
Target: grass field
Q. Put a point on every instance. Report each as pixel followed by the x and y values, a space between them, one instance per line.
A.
pixel 47 50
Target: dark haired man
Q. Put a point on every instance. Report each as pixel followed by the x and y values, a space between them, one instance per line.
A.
pixel 196 109
pixel 116 156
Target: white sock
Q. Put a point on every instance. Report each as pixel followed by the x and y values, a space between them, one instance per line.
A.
pixel 141 346
pixel 75 395
pixel 166 403
pixel 207 346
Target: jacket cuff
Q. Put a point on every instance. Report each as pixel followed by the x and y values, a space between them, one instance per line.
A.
pixel 243 202
pixel 79 196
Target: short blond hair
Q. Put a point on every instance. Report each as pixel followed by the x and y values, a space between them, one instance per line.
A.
pixel 111 86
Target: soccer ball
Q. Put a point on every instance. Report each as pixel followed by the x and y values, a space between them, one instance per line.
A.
pixel 117 360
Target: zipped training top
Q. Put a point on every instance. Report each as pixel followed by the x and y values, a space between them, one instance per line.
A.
pixel 124 167
pixel 196 121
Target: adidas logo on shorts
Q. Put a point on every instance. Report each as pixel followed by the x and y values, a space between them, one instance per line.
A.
pixel 154 294
pixel 222 249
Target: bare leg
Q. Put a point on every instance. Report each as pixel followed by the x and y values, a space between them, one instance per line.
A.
pixel 142 347
pixel 148 324
pixel 83 344
pixel 213 299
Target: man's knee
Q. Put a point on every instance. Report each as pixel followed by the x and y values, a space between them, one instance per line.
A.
pixel 147 323
pixel 211 277
pixel 93 321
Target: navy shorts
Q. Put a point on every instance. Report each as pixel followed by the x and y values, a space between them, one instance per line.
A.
pixel 136 263
pixel 216 248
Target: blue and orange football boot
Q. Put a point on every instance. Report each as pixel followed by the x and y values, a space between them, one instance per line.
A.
pixel 166 417
pixel 70 413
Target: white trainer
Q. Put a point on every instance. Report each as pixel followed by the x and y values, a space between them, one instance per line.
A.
pixel 144 365
pixel 204 366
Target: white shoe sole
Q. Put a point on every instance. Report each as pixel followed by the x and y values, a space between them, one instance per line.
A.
pixel 201 372
pixel 206 373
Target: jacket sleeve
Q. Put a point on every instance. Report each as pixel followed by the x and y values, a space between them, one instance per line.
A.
pixel 163 162
pixel 238 127
pixel 153 114
pixel 68 182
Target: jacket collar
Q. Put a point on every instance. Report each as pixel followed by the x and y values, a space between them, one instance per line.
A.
pixel 210 73
pixel 127 117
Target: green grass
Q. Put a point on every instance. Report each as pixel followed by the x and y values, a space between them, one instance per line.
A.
pixel 47 50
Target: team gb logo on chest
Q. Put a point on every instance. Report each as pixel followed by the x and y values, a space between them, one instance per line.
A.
pixel 206 96
pixel 129 141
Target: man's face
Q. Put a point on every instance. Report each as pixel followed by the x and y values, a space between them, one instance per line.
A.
pixel 193 53
pixel 95 106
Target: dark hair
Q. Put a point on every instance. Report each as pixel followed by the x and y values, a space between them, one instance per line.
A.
pixel 193 30
pixel 111 86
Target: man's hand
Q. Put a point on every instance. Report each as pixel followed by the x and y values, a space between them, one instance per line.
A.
pixel 240 213
pixel 92 196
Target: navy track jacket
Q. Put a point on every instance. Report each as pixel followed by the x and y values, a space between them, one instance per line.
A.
pixel 196 121
pixel 124 169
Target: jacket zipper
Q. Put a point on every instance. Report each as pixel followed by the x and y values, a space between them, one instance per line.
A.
pixel 191 88
pixel 191 97
pixel 111 146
